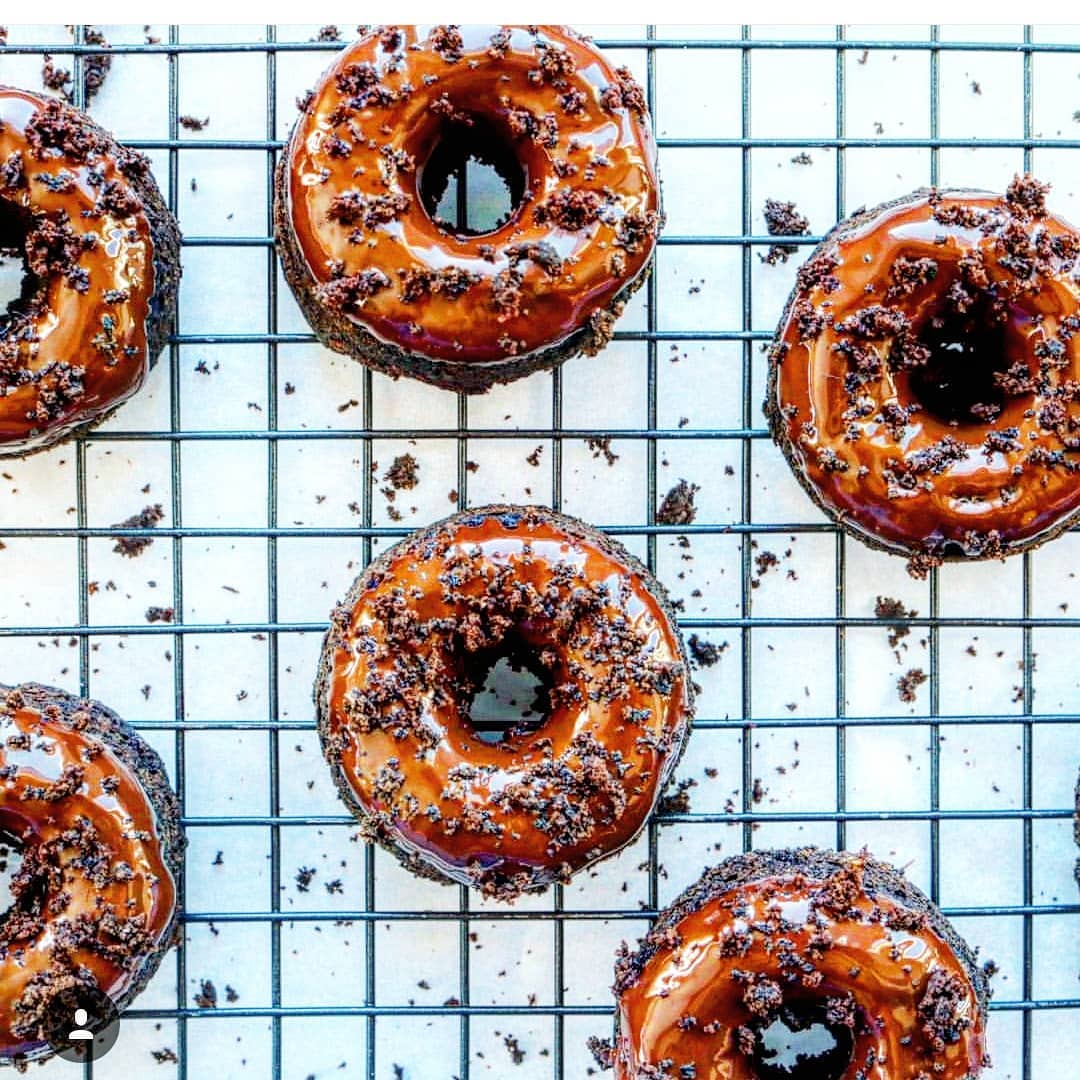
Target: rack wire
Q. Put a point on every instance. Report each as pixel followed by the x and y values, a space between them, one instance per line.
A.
pixel 839 721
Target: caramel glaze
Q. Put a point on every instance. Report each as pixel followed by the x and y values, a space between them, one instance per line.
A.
pixel 78 345
pixel 95 898
pixel 841 401
pixel 581 133
pixel 408 649
pixel 773 929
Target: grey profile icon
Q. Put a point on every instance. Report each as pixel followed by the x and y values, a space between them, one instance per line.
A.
pixel 82 1025
pixel 80 1034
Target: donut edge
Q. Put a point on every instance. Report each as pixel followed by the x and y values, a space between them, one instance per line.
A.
pixel 145 763
pixel 375 827
pixel 920 557
pixel 341 335
pixel 817 864
pixel 165 239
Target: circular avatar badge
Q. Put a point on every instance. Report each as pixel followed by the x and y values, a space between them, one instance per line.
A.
pixel 81 1024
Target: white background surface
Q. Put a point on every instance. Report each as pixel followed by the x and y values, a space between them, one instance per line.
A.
pixel 228 677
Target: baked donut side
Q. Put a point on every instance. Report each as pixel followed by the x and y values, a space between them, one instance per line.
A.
pixel 410 646
pixel 380 278
pixel 96 900
pixel 102 253
pixel 812 937
pixel 922 377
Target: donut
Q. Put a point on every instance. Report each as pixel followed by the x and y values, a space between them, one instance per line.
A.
pixel 408 650
pixel 95 901
pixel 834 953
pixel 101 254
pixel 925 377
pixel 376 272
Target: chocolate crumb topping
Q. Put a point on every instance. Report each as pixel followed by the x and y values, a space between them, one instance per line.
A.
pixel 940 1010
pixel 349 293
pixel 625 93
pixel 448 43
pixel 570 208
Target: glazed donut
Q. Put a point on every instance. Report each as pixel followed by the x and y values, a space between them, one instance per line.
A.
pixel 95 900
pixel 408 650
pixel 380 278
pixel 837 946
pixel 102 265
pixel 925 377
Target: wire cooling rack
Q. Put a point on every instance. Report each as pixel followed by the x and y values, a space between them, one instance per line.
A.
pixel 328 960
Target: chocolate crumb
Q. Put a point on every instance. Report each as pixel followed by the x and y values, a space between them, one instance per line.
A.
pixel 147 518
pixel 704 653
pixel 678 505
pixel 888 609
pixel 908 684
pixel 782 219
pixel 207 997
pixel 404 473
pixel 517 1055
pixel 193 123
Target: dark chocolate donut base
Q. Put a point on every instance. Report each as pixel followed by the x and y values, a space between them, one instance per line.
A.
pixel 921 559
pixel 817 864
pixel 144 762
pixel 379 828
pixel 340 334
pixel 165 233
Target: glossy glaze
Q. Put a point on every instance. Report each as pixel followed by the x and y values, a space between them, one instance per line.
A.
pixel 110 799
pixel 886 971
pixel 469 327
pixel 533 544
pixel 988 492
pixel 66 330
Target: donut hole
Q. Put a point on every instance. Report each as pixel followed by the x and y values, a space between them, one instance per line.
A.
pixel 967 354
pixel 11 860
pixel 473 180
pixel 511 695
pixel 800 1044
pixel 11 853
pixel 18 286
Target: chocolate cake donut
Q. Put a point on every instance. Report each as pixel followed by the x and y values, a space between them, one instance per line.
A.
pixel 410 647
pixel 833 954
pixel 379 276
pixel 925 376
pixel 95 900
pixel 101 254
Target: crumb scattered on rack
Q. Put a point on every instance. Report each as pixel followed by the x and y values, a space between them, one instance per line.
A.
pixel 602 447
pixel 678 801
pixel 782 219
pixel 888 609
pixel 147 518
pixel 909 683
pixel 705 654
pixel 192 123
pixel 206 998
pixel 678 505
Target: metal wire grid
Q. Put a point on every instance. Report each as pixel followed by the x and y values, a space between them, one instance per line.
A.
pixel 751 429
